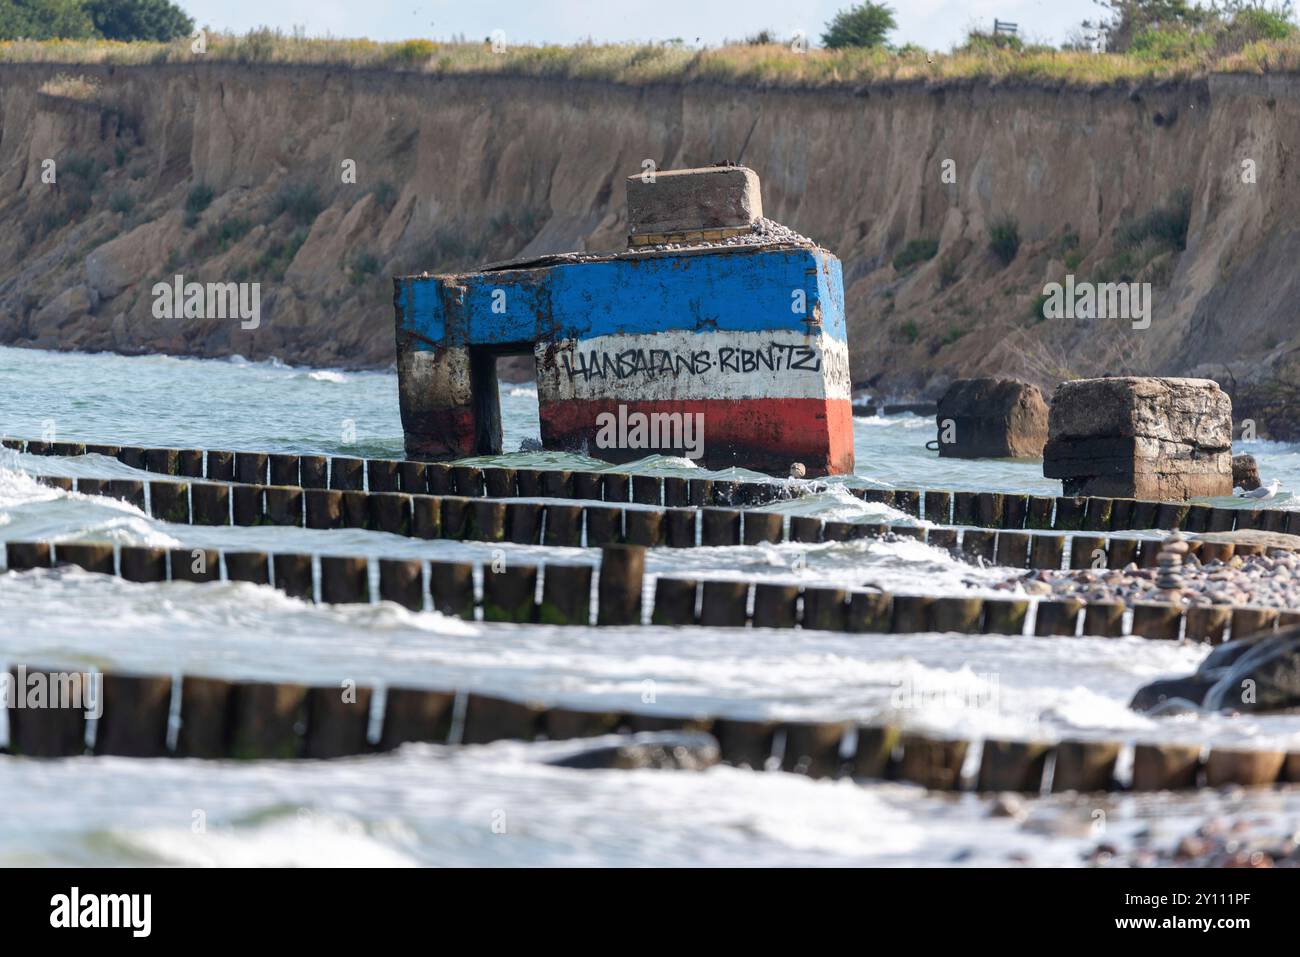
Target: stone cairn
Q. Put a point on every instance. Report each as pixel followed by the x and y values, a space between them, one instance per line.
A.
pixel 1169 566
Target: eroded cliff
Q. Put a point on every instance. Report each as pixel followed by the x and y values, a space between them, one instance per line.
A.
pixel 237 173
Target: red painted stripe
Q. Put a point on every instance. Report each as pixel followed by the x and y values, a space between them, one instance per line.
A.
pixel 766 435
pixel 437 434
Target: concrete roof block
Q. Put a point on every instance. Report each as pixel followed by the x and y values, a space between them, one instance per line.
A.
pixel 682 200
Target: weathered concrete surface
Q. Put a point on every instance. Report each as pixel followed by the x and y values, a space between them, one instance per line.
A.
pixel 701 337
pixel 1140 437
pixel 436 402
pixel 1245 472
pixel 992 419
pixel 684 200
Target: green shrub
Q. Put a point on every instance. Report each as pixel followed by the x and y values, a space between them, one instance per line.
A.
pixel 979 42
pixel 300 200
pixel 1255 24
pixel 947 271
pixel 131 20
pixel 84 168
pixel 1004 239
pixel 1068 249
pixel 363 267
pixel 917 251
pixel 221 236
pixel 257 46
pixel 198 199
pixel 275 259
pixel 1167 224
pixel 413 51
pixel 44 20
pixel 76 205
pixel 865 25
pixel 1170 44
pixel 120 201
pixel 910 330
pixel 385 193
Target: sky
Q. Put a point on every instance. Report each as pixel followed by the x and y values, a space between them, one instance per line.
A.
pixel 933 24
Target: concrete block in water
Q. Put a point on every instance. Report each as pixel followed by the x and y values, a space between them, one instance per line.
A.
pixel 1245 472
pixel 990 418
pixel 1140 437
pixel 671 202
pixel 731 356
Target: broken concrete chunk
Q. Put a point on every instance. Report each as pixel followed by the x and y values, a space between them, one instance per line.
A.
pixel 685 201
pixel 1140 437
pixel 990 418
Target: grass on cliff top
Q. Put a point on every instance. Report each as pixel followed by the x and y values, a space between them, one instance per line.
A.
pixel 774 64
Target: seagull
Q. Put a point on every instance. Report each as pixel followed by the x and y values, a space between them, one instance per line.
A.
pixel 1267 491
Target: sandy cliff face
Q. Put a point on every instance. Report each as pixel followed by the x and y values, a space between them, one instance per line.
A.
pixel 457 171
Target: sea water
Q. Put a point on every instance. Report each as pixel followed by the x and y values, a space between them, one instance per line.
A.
pixel 502 804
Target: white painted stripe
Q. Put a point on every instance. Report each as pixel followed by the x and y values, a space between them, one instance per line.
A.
pixel 694 365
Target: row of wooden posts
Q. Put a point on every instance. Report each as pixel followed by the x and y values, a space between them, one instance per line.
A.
pixel 282 721
pixel 973 509
pixel 510 593
pixel 561 524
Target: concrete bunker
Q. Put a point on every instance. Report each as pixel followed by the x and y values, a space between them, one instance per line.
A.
pixel 713 317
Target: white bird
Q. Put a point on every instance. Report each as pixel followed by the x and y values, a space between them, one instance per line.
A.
pixel 1265 491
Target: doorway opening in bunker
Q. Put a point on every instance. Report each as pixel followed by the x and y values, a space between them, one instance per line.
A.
pixel 508 369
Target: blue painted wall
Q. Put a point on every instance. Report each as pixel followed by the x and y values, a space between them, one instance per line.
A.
pixel 740 289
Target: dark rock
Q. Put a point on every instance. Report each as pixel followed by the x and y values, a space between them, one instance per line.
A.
pixel 1176 691
pixel 1245 472
pixel 1257 673
pixel 670 750
pixel 992 419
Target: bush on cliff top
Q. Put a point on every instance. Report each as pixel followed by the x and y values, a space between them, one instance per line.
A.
pixel 128 20
pixel 865 25
pixel 740 64
pixel 1179 30
pixel 124 20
